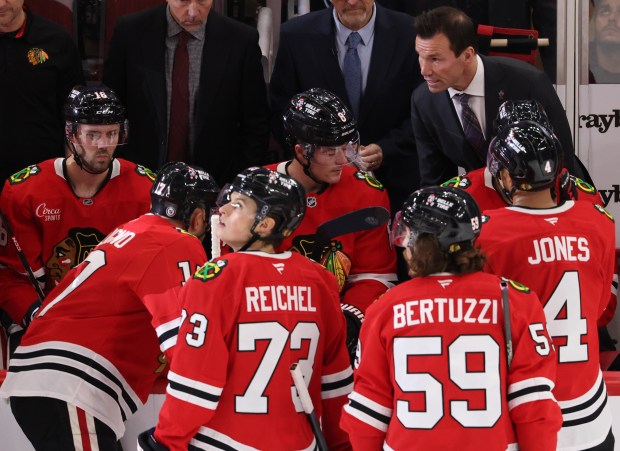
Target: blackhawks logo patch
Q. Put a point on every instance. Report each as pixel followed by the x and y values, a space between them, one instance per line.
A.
pixel 605 212
pixel 24 174
pixel 516 285
pixel 458 182
pixel 210 270
pixel 584 186
pixel 369 179
pixel 37 56
pixel 146 172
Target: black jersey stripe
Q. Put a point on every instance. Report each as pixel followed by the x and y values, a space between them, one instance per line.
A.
pixel 337 384
pixel 586 419
pixel 528 391
pixel 213 442
pixel 168 334
pixel 588 403
pixel 193 391
pixel 47 352
pixel 368 411
pixel 82 375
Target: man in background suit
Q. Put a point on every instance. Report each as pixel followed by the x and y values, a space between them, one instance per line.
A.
pixel 450 65
pixel 228 116
pixel 311 55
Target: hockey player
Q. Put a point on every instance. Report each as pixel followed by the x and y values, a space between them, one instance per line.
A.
pixel 60 209
pixel 566 254
pixel 434 368
pixel 489 194
pixel 88 360
pixel 248 316
pixel 484 188
pixel 324 134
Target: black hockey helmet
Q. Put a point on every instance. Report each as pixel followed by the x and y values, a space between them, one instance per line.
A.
pixel 512 111
pixel 450 214
pixel 318 117
pixel 94 105
pixel 276 195
pixel 530 154
pixel 179 189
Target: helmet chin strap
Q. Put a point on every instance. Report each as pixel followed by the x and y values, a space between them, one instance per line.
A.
pixel 80 163
pixel 307 170
pixel 504 193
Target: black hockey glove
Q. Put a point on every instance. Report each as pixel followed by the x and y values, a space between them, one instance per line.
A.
pixel 146 442
pixel 31 313
pixel 354 317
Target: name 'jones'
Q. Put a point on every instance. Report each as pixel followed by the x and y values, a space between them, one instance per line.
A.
pixel 557 248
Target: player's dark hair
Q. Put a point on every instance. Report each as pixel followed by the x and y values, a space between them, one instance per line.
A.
pixel 453 23
pixel 427 258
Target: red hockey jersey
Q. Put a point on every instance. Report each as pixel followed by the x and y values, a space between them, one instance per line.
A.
pixel 566 255
pixel 364 263
pixel 98 339
pixel 56 229
pixel 478 183
pixel 247 317
pixel 432 371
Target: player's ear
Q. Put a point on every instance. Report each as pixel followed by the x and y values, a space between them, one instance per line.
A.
pixel 265 227
pixel 198 222
pixel 506 180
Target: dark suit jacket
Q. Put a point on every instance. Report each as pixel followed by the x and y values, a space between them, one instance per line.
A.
pixel 307 59
pixel 438 132
pixel 231 118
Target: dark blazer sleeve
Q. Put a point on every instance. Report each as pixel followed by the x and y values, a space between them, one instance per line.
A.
pixel 435 167
pixel 114 65
pixel 254 110
pixel 284 84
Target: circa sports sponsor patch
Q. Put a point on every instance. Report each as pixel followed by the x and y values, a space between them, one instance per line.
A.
pixel 210 270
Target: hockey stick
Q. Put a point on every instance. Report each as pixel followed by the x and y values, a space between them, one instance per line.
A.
pixel 306 403
pixel 355 221
pixel 507 328
pixel 22 258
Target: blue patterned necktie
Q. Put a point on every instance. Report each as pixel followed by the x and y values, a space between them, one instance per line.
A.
pixel 352 71
pixel 472 129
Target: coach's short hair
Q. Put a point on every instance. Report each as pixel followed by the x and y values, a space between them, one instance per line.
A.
pixel 452 22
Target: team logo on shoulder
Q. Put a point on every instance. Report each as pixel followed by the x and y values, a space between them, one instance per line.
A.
pixel 605 212
pixel 485 218
pixel 210 270
pixel 457 182
pixel 37 56
pixel 183 231
pixel 146 172
pixel 584 186
pixel 369 179
pixel 516 285
pixel 24 174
